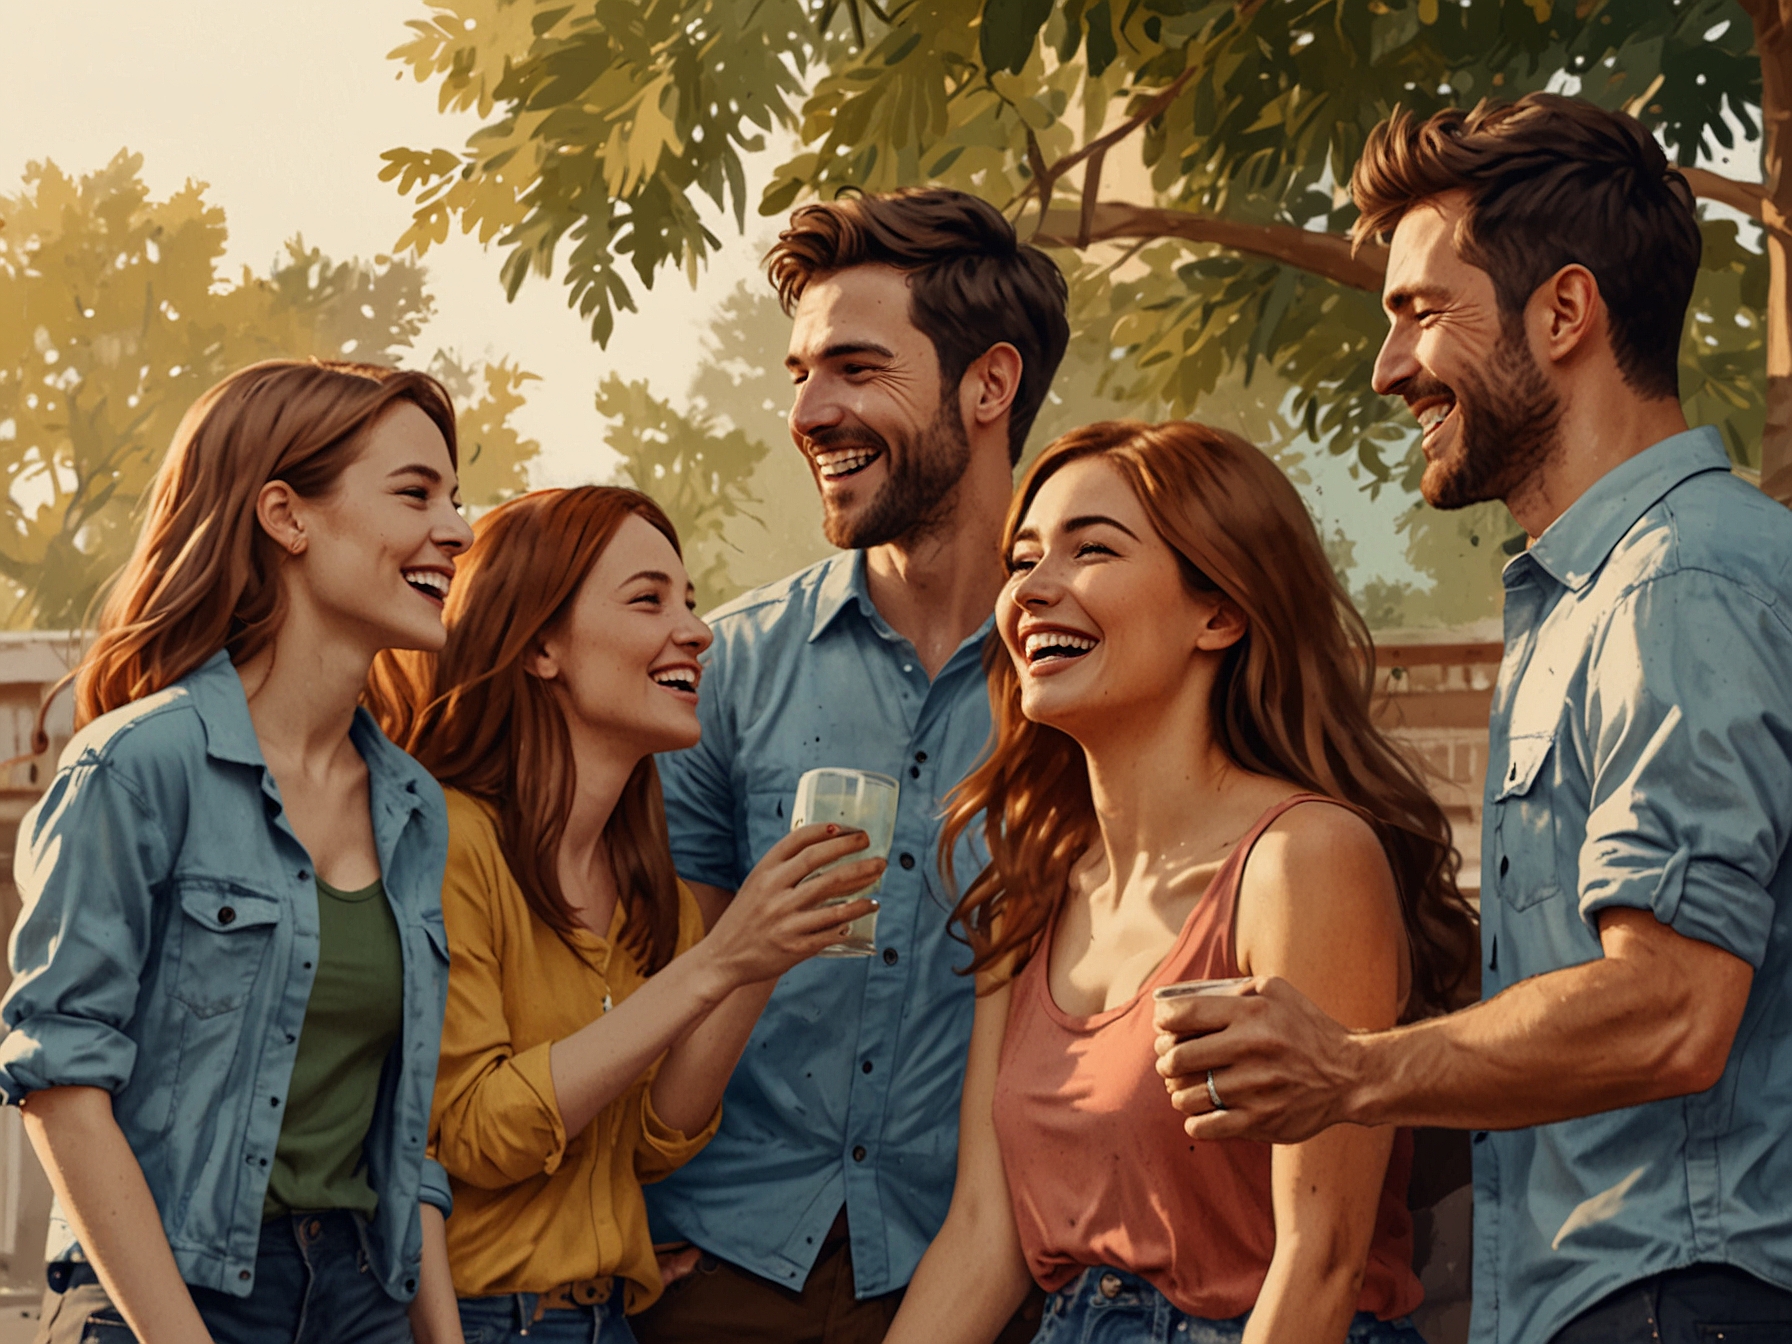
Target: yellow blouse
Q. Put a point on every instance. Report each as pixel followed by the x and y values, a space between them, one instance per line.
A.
pixel 535 1207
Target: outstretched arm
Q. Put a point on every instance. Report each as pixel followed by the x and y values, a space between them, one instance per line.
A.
pixel 974 1275
pixel 1653 1018
pixel 100 1186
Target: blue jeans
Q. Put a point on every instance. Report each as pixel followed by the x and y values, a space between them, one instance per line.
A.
pixel 1110 1306
pixel 312 1286
pixel 511 1316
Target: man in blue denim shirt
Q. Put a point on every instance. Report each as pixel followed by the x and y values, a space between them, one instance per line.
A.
pixel 925 340
pixel 1630 1072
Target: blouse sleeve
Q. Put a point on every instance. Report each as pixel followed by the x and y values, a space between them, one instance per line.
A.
pixel 662 1150
pixel 495 1121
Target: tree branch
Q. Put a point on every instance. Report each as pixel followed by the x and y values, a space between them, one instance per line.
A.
pixel 1748 197
pixel 1324 254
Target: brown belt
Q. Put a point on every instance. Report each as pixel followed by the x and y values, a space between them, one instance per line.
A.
pixel 583 1293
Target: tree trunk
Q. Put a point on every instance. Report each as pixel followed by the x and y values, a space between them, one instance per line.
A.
pixel 1773 40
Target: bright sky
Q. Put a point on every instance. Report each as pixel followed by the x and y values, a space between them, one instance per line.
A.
pixel 284 110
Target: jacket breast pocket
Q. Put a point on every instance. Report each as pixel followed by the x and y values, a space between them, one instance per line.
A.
pixel 225 932
pixel 1525 830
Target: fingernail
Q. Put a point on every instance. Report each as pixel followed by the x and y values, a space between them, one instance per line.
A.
pixel 876 904
pixel 833 829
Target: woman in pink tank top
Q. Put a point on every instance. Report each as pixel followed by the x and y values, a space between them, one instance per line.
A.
pixel 1185 785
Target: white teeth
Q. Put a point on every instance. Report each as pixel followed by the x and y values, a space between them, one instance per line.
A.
pixel 1433 415
pixel 682 679
pixel 427 578
pixel 1056 641
pixel 842 461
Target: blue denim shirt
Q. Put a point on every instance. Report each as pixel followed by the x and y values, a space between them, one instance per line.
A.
pixel 848 1091
pixel 1641 758
pixel 165 954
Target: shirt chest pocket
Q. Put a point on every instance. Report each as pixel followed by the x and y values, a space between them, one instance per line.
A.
pixel 220 940
pixel 1526 868
pixel 768 821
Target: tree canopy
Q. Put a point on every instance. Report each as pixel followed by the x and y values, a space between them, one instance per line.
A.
pixel 115 314
pixel 1186 157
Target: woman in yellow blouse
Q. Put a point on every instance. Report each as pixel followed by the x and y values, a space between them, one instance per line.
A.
pixel 591 1027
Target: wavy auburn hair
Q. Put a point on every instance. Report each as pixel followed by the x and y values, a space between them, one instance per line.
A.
pixel 1291 701
pixel 205 575
pixel 481 722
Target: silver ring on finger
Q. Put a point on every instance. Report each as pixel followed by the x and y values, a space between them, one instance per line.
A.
pixel 1213 1093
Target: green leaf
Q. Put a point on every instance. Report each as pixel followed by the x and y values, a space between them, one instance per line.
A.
pixel 1009 29
pixel 1102 48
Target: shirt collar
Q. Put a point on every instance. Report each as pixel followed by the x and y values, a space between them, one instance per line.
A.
pixel 842 585
pixel 217 696
pixel 1572 549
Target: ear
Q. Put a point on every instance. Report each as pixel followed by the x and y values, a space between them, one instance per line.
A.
pixel 278 509
pixel 1566 313
pixel 988 388
pixel 1223 626
pixel 541 662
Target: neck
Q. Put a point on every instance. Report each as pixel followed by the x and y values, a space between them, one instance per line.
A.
pixel 1156 779
pixel 302 690
pixel 600 771
pixel 1602 427
pixel 937 589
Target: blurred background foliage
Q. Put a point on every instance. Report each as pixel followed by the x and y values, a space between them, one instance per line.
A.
pixel 115 314
pixel 1185 158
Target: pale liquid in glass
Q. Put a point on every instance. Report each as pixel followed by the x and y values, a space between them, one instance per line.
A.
pixel 861 801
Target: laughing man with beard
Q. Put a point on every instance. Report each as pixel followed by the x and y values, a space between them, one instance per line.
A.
pixel 924 341
pixel 1629 1072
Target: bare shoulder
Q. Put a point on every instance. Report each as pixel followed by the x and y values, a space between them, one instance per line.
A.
pixel 1316 833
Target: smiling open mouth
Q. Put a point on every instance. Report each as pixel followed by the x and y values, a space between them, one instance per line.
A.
pixel 680 679
pixel 1433 417
pixel 431 583
pixel 836 463
pixel 1056 645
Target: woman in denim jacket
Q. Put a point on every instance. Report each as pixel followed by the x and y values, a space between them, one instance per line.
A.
pixel 230 970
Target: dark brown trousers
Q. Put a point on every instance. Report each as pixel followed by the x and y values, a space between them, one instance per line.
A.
pixel 719 1303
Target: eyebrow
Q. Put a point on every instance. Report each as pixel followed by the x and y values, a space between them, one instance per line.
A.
pixel 1080 523
pixel 428 473
pixel 1398 299
pixel 651 575
pixel 842 349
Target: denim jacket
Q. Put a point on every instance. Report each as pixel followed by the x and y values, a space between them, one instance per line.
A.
pixel 165 953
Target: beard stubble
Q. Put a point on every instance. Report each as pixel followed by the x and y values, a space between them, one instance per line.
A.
pixel 1510 422
pixel 916 496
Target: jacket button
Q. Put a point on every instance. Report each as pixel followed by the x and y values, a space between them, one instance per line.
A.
pixel 907 860
pixel 858 1153
pixel 889 956
pixel 243 1274
pixel 227 915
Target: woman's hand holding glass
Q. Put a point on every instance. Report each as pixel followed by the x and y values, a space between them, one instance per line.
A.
pixel 781 915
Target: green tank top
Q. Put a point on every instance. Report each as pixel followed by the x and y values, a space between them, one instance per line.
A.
pixel 354 1015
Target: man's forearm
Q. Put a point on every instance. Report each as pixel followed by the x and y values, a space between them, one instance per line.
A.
pixel 1653 1018
pixel 1589 1038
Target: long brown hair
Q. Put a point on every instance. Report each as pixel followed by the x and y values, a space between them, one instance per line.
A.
pixel 205 575
pixel 481 722
pixel 1291 701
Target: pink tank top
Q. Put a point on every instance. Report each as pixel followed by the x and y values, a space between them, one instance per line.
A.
pixel 1100 1170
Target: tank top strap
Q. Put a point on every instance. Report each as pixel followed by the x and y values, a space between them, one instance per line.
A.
pixel 1209 930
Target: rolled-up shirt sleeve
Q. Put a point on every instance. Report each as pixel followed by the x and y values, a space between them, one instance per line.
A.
pixel 496 1121
pixel 90 858
pixel 1689 736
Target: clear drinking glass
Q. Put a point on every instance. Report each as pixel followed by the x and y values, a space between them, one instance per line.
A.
pixel 857 800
